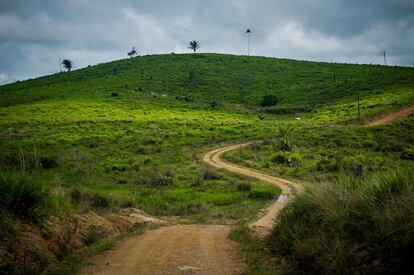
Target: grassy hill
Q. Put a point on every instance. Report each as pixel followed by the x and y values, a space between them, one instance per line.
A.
pixel 132 132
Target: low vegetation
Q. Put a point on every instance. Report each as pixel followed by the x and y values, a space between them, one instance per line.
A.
pixel 350 227
pixel 319 154
pixel 131 133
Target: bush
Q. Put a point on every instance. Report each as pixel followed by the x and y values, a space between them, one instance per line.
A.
pixel 268 101
pixel 407 153
pixel 23 196
pixel 48 162
pixel 99 201
pixel 211 175
pixel 94 234
pixel 157 179
pixel 287 158
pixel 352 227
pixel 263 195
pixel 244 187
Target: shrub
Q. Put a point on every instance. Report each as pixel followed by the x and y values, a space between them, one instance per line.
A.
pixel 23 196
pixel 214 104
pixel 157 179
pixel 209 174
pixel 351 227
pixel 244 187
pixel 287 158
pixel 48 162
pixel 255 146
pixel 93 234
pixel 407 153
pixel 268 101
pixel 98 200
pixel 264 195
pixel 327 165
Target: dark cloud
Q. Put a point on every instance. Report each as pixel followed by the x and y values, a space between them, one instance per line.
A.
pixel 34 34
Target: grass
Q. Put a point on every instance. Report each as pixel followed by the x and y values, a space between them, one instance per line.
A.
pixel 79 260
pixel 316 154
pixel 350 227
pixel 28 198
pixel 255 254
pixel 133 132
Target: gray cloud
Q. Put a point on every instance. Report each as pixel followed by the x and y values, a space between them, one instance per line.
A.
pixel 34 34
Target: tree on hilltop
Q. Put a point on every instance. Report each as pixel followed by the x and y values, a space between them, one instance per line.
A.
pixel 67 64
pixel 133 52
pixel 194 45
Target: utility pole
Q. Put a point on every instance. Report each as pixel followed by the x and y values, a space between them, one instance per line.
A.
pixel 248 32
pixel 359 110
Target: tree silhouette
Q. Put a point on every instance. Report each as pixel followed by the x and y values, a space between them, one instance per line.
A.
pixel 194 45
pixel 133 52
pixel 67 64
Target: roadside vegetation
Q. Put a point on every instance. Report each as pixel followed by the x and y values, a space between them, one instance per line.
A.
pixel 349 227
pixel 320 154
pixel 131 133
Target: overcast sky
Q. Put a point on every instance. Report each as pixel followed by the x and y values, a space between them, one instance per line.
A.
pixel 34 34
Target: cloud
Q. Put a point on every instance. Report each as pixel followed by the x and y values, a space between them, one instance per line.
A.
pixel 3 78
pixel 35 34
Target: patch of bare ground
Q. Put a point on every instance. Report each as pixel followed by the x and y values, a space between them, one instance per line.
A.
pixel 177 249
pixel 37 247
pixel 393 116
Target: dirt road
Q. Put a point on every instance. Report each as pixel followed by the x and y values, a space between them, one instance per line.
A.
pixel 201 249
pixel 190 249
pixel 178 249
pixel 265 223
pixel 390 117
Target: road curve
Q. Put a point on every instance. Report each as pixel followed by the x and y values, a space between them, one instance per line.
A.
pixel 191 249
pixel 265 223
pixel 393 116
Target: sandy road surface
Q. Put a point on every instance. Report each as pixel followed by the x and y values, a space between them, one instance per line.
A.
pixel 397 115
pixel 178 249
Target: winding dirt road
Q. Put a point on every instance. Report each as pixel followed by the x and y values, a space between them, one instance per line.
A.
pixel 191 249
pixel 201 249
pixel 265 223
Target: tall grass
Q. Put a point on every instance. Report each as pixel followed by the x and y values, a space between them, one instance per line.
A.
pixel 23 196
pixel 353 226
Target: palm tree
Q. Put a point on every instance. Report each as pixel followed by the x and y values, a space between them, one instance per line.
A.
pixel 67 64
pixel 194 45
pixel 133 52
pixel 248 32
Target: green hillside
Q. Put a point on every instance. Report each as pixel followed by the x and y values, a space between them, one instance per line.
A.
pixel 132 133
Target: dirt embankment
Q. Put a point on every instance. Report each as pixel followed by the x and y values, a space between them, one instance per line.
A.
pixel 37 247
